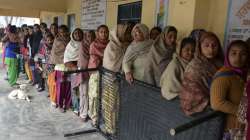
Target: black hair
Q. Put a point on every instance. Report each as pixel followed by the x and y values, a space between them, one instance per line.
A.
pixel 102 26
pixel 12 29
pixel 54 24
pixel 156 28
pixel 43 24
pixel 50 35
pixel 64 28
pixel 37 25
pixel 30 27
pixel 188 40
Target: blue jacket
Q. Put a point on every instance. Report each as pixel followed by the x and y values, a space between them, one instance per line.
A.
pixel 10 50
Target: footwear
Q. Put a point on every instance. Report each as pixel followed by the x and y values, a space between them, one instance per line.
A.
pixel 76 113
pixel 83 119
pixel 40 89
pixel 53 105
pixel 62 110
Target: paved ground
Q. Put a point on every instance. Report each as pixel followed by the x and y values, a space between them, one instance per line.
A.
pixel 21 120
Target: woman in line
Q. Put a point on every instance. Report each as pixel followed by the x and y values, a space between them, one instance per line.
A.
pixel 172 77
pixel 228 83
pixel 135 57
pixel 63 92
pixel 194 95
pixel 11 52
pixel 160 55
pixel 84 77
pixel 120 38
pixel 96 57
pixel 71 56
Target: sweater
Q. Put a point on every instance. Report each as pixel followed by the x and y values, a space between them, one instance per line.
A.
pixel 226 93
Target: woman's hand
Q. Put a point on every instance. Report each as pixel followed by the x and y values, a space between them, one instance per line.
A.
pixel 129 77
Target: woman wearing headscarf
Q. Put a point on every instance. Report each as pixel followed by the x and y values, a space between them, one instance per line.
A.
pixel 160 55
pixel 228 83
pixel 135 57
pixel 96 57
pixel 82 63
pixel 194 95
pixel 120 38
pixel 71 57
pixel 172 77
pixel 63 94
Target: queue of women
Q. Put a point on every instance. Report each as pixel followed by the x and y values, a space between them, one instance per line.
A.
pixel 196 70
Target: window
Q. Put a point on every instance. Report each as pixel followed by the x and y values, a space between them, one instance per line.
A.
pixel 130 12
pixel 71 22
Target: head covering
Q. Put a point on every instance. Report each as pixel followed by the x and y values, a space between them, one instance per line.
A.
pixel 197 79
pixel 240 71
pixel 72 50
pixel 138 48
pixel 115 50
pixel 143 28
pixel 58 49
pixel 159 56
pixel 96 52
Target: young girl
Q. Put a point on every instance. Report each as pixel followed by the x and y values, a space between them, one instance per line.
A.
pixel 228 83
pixel 194 95
pixel 172 77
pixel 96 56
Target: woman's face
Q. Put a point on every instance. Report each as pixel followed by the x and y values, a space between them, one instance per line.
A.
pixel 237 56
pixel 30 30
pixel 187 52
pixel 209 48
pixel 49 41
pixel 138 35
pixel 103 34
pixel 170 38
pixel 77 35
pixel 53 30
pixel 62 33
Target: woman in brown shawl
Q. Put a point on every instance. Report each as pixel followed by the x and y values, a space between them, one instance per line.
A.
pixel 135 57
pixel 120 38
pixel 160 55
pixel 63 93
pixel 96 56
pixel 194 95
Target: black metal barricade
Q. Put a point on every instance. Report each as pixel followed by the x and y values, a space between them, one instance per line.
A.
pixel 139 112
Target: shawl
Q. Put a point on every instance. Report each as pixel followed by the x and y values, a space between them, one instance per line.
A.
pixel 96 53
pixel 72 50
pixel 158 58
pixel 115 50
pixel 194 95
pixel 57 52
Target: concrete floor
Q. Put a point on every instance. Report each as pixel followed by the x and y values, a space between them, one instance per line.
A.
pixel 21 120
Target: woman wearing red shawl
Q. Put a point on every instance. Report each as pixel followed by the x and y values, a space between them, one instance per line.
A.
pixel 228 84
pixel 194 95
pixel 96 56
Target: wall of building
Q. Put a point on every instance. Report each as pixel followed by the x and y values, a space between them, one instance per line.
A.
pixel 184 14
